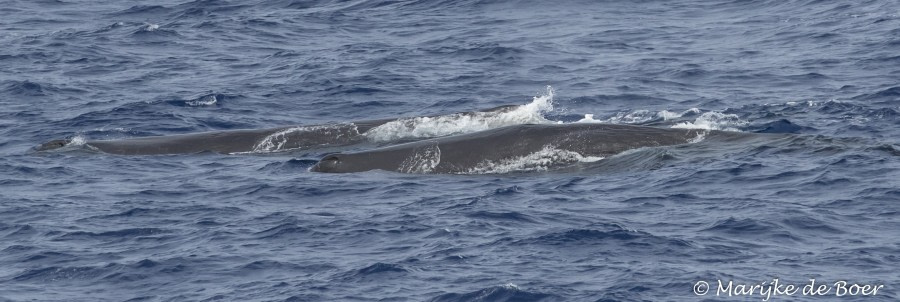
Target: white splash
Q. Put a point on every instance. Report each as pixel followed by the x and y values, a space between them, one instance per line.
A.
pixel 588 118
pixel 541 160
pixel 638 116
pixel 668 115
pixel 701 135
pixel 634 117
pixel 151 27
pixel 208 100
pixel 76 141
pixel 419 127
pixel 796 103
pixel 423 161
pixel 714 121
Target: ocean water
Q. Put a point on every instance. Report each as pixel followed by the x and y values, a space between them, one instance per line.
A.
pixel 812 191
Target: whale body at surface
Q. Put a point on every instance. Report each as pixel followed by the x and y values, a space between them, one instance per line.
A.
pixel 518 147
pixel 253 140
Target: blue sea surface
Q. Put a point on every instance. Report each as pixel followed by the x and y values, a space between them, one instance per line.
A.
pixel 814 194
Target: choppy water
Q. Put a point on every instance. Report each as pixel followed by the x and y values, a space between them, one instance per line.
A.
pixel 813 193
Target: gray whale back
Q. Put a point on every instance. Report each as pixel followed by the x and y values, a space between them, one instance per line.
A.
pixel 470 152
pixel 247 140
pixel 231 141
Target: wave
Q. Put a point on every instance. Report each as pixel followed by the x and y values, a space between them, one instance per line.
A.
pixel 380 267
pixel 714 121
pixel 60 274
pixel 24 88
pixel 505 292
pixel 133 233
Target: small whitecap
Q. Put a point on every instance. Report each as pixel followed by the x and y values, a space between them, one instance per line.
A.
pixel 208 100
pixel 714 121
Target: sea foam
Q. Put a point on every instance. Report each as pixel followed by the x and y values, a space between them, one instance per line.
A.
pixel 458 123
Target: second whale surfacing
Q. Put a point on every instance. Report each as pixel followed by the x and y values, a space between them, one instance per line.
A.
pixel 511 148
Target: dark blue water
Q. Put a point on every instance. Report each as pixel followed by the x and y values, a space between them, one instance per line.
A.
pixel 815 195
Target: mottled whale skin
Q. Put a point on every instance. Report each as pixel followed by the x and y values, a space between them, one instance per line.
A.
pixel 462 153
pixel 238 141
